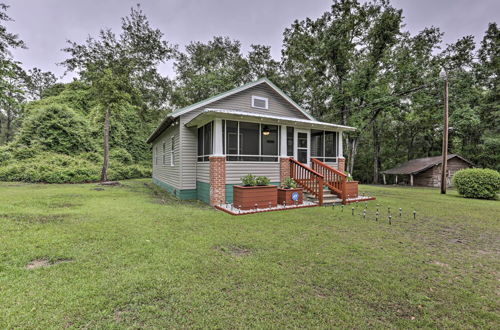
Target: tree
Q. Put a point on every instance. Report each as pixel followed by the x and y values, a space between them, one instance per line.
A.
pixel 38 81
pixel 11 84
pixel 334 65
pixel 122 70
pixel 205 70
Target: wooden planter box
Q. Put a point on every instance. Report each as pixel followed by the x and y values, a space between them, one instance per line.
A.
pixel 351 188
pixel 285 196
pixel 246 198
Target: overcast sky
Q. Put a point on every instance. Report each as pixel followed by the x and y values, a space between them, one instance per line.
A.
pixel 45 25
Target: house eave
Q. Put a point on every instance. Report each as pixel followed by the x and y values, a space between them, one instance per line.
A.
pixel 211 113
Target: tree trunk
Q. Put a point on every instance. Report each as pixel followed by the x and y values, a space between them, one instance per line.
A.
pixel 353 145
pixel 8 128
pixel 104 172
pixel 376 153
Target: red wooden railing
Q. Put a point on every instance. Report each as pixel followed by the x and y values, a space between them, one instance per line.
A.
pixel 332 178
pixel 310 180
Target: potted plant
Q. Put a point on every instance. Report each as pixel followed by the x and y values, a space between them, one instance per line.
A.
pixel 254 193
pixel 289 194
pixel 351 186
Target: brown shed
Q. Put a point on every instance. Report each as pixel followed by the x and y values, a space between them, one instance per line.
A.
pixel 427 171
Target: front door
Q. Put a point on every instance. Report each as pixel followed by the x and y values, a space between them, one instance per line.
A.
pixel 302 146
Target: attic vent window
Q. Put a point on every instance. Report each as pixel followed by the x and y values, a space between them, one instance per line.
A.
pixel 259 102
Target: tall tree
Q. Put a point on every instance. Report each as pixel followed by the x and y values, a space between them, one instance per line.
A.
pixel 37 81
pixel 334 65
pixel 11 84
pixel 122 70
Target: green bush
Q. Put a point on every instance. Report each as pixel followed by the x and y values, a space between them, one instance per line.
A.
pixel 477 183
pixel 58 168
pixel 121 155
pixel 248 180
pixel 289 183
pixel 55 128
pixel 262 181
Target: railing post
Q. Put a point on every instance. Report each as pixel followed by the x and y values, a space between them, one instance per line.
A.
pixel 320 192
pixel 344 194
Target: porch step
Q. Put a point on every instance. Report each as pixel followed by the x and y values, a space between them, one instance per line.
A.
pixel 328 198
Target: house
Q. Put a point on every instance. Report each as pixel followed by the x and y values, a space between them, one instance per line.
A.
pixel 201 151
pixel 427 171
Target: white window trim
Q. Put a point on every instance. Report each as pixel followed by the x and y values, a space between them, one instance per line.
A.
pixel 172 150
pixel 265 99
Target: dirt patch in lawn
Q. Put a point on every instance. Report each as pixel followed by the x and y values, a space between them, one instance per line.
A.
pixel 44 262
pixel 34 218
pixel 235 250
pixel 63 205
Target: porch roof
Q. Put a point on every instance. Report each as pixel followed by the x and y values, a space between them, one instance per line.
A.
pixel 210 113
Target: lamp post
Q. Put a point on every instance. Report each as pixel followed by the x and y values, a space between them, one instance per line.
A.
pixel 444 164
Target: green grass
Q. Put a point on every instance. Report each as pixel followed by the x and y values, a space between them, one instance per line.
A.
pixel 134 257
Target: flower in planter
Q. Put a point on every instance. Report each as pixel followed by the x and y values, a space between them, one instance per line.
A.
pixel 262 181
pixel 248 180
pixel 289 183
pixel 349 176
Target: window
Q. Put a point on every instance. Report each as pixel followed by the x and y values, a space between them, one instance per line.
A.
pixel 289 141
pixel 164 154
pixel 251 141
pixel 324 145
pixel 156 154
pixel 205 143
pixel 260 102
pixel 172 151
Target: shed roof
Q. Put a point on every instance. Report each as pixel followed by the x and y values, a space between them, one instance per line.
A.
pixel 420 164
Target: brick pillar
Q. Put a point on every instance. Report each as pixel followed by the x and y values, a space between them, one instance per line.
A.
pixel 341 164
pixel 217 180
pixel 284 168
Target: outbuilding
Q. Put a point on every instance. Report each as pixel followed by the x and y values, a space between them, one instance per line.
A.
pixel 427 171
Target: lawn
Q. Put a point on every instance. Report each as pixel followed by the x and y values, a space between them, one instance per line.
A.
pixel 131 256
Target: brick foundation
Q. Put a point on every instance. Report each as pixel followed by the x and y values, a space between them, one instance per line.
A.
pixel 341 164
pixel 284 168
pixel 217 180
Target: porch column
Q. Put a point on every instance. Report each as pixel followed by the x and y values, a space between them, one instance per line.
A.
pixel 411 180
pixel 218 147
pixel 340 154
pixel 383 176
pixel 284 159
pixel 217 180
pixel 396 182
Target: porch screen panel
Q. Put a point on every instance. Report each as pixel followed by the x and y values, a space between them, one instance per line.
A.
pixel 331 146
pixel 317 144
pixel 269 143
pixel 289 141
pixel 207 139
pixel 232 139
pixel 249 141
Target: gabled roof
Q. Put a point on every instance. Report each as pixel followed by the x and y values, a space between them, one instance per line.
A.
pixel 418 165
pixel 209 113
pixel 176 113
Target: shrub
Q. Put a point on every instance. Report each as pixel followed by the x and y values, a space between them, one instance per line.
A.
pixel 121 155
pixel 58 168
pixel 55 128
pixel 289 183
pixel 50 168
pixel 248 180
pixel 477 183
pixel 262 181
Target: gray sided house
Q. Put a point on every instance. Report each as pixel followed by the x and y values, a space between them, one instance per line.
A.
pixel 201 151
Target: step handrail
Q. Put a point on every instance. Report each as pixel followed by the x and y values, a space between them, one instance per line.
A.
pixel 309 179
pixel 333 178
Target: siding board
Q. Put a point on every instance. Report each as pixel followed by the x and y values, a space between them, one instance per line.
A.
pixel 165 172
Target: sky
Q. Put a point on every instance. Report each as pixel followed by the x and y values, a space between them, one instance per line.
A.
pixel 45 25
